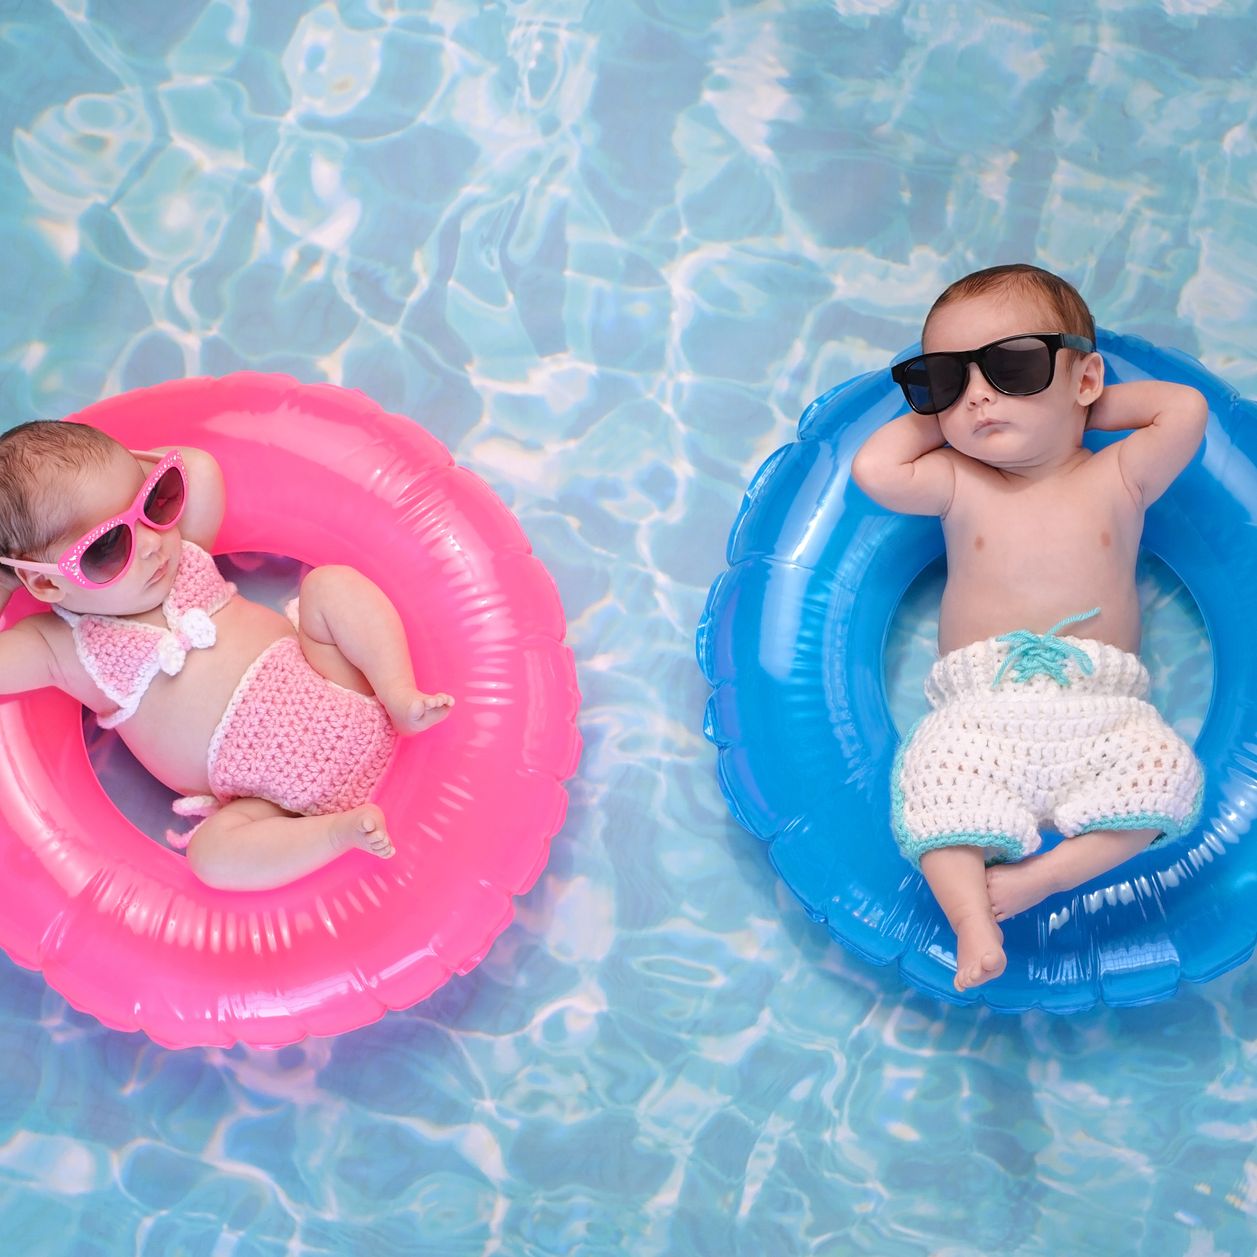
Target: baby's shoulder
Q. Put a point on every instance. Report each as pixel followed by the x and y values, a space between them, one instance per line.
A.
pixel 56 635
pixel 33 654
pixel 45 625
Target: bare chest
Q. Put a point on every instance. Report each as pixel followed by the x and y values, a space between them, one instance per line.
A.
pixel 1028 556
pixel 1087 520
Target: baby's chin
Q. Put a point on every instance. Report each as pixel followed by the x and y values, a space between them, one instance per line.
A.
pixel 142 600
pixel 1009 451
pixel 997 447
pixel 152 596
pixel 152 599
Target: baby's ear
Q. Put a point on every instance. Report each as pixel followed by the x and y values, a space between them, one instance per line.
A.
pixel 41 587
pixel 1090 379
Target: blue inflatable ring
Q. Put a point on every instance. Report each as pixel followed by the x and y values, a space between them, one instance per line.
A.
pixel 792 642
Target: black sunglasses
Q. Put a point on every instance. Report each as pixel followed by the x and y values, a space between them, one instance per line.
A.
pixel 1017 365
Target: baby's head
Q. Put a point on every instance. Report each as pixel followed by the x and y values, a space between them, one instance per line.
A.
pixel 58 481
pixel 1038 290
pixel 1023 403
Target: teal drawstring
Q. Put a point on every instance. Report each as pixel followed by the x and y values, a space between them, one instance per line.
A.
pixel 1032 654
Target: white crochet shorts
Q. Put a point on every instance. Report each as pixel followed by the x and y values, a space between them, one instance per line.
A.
pixel 1068 741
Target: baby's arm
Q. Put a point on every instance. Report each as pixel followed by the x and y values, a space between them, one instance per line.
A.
pixel 904 467
pixel 203 515
pixel 1169 422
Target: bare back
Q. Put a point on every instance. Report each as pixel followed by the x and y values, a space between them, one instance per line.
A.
pixel 1027 553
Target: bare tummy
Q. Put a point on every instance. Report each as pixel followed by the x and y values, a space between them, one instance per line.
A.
pixel 1026 554
pixel 170 732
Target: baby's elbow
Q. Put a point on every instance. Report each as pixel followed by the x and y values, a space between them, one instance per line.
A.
pixel 865 469
pixel 1195 418
pixel 202 467
pixel 1199 410
pixel 1185 407
pixel 877 481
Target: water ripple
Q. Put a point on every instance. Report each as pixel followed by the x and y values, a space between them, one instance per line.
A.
pixel 608 253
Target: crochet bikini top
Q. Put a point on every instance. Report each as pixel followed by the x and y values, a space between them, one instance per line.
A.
pixel 123 655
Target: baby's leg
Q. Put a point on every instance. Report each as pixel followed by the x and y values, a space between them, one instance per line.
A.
pixel 1015 887
pixel 351 633
pixel 957 876
pixel 251 844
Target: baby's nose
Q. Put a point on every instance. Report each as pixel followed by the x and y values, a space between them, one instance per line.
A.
pixel 977 386
pixel 147 541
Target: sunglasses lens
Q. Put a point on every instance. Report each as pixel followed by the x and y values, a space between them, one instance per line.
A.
pixel 107 555
pixel 1019 367
pixel 164 503
pixel 933 382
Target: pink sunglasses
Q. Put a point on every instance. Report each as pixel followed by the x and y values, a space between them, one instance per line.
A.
pixel 103 556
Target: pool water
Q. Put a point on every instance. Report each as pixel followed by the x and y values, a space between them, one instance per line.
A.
pixel 608 252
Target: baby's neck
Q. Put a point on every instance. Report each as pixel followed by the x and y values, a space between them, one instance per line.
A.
pixel 1046 469
pixel 150 615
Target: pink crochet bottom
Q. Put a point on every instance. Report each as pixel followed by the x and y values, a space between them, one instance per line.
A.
pixel 292 736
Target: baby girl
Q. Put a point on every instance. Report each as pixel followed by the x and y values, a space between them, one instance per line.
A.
pixel 1028 726
pixel 276 731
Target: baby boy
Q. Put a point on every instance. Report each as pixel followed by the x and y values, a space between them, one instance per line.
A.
pixel 1030 724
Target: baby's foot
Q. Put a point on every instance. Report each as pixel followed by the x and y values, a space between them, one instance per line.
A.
pixel 979 951
pixel 414 711
pixel 1013 888
pixel 363 828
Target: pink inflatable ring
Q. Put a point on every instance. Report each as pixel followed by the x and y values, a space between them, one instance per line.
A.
pixel 120 926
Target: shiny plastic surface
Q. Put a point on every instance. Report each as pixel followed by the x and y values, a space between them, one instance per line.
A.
pixel 792 642
pixel 121 927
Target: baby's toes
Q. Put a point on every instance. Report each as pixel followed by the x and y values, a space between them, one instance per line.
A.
pixel 370 832
pixel 427 710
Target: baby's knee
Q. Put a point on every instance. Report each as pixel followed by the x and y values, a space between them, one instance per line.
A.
pixel 216 848
pixel 326 592
pixel 206 858
pixel 330 582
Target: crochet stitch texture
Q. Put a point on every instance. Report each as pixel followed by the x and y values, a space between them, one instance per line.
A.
pixel 288 734
pixel 123 656
pixel 292 736
pixel 1007 750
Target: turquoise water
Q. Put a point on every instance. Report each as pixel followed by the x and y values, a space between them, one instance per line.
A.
pixel 607 252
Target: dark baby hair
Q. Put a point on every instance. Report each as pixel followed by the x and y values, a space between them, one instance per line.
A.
pixel 1060 297
pixel 33 457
